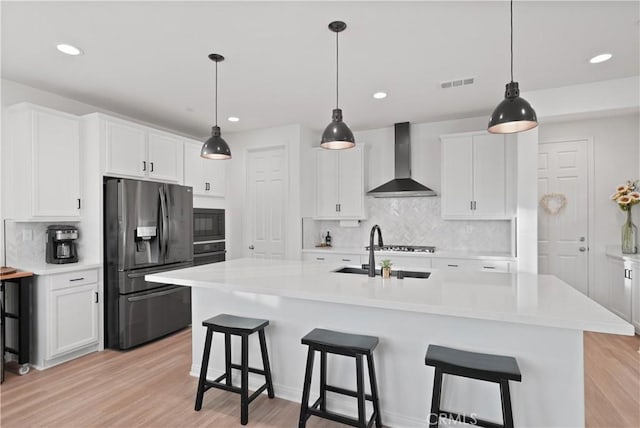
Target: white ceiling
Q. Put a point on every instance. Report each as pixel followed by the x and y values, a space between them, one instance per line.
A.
pixel 148 60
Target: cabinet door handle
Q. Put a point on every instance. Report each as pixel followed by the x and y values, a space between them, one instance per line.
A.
pixel 346 260
pixel 96 293
pixel 630 272
pixel 76 279
pixel 452 265
pixel 339 207
pixel 79 203
pixel 151 164
pixel 488 267
pixel 319 258
pixel 336 207
pixel 144 165
pixel 626 275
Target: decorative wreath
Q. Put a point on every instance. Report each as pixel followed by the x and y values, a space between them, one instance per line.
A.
pixel 553 203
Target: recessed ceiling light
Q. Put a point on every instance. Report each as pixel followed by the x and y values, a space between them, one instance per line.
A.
pixel 233 119
pixel 600 58
pixel 69 49
pixel 380 95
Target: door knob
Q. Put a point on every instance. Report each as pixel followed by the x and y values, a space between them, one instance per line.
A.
pixel 251 247
pixel 582 239
pixel 582 249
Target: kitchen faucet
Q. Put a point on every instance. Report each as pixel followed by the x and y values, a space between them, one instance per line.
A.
pixel 372 260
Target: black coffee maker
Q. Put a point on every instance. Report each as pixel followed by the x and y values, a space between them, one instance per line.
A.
pixel 61 246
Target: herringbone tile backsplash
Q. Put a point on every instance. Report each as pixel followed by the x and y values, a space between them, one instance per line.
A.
pixel 414 221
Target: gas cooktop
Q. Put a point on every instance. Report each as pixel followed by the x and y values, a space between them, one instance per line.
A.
pixel 404 248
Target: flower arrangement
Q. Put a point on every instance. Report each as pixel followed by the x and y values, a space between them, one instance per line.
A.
pixel 627 195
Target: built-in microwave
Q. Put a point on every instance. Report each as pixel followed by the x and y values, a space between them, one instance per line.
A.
pixel 208 224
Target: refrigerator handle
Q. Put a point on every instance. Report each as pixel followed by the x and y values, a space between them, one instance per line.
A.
pixel 165 227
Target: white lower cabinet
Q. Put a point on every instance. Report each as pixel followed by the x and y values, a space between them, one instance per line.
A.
pixel 66 312
pixel 474 265
pixel 635 295
pixel 621 276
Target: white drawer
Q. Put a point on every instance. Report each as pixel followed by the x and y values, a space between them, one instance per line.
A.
pixel 73 279
pixel 472 265
pixel 347 259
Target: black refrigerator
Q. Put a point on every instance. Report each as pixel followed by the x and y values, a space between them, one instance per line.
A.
pixel 148 228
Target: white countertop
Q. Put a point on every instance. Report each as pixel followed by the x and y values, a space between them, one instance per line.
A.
pixel 616 252
pixel 436 254
pixel 541 300
pixel 51 269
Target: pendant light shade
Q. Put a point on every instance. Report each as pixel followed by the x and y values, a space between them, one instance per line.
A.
pixel 337 135
pixel 215 147
pixel 514 113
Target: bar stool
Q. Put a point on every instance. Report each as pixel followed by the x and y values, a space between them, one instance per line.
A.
pixel 491 368
pixel 351 345
pixel 243 327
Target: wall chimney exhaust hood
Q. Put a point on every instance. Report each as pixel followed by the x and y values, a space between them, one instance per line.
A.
pixel 403 185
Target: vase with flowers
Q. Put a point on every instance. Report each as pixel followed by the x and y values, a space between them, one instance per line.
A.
pixel 626 196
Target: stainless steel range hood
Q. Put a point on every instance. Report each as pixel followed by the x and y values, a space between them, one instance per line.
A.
pixel 403 185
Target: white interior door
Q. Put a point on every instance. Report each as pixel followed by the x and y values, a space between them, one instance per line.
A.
pixel 267 197
pixel 563 241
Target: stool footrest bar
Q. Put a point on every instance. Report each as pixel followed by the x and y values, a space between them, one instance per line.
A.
pixel 251 369
pixel 343 391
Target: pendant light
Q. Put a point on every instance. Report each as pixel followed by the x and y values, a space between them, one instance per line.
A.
pixel 337 135
pixel 215 147
pixel 513 114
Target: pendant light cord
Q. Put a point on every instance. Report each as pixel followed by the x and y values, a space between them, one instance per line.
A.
pixel 216 103
pixel 337 69
pixel 511 12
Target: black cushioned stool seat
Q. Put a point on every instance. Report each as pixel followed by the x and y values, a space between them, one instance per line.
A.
pixel 491 368
pixel 351 345
pixel 243 327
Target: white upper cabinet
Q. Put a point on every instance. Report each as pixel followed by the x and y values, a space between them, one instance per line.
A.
pixel 340 184
pixel 475 177
pixel 135 151
pixel 126 149
pixel 206 176
pixel 165 157
pixel 42 164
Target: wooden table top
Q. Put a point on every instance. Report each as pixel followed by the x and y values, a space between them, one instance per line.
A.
pixel 16 275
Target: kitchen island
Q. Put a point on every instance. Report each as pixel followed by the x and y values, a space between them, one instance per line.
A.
pixel 536 318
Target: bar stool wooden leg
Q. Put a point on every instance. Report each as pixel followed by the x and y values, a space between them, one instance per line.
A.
pixel 434 416
pixel 227 359
pixel 304 406
pixel 507 415
pixel 360 392
pixel 203 369
pixel 244 384
pixel 374 390
pixel 323 381
pixel 265 363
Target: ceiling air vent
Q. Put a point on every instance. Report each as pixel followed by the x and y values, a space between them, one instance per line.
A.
pixel 458 82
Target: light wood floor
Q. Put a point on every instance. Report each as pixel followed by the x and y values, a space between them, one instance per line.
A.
pixel 149 387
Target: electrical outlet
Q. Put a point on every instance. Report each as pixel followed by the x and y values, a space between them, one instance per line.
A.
pixel 27 235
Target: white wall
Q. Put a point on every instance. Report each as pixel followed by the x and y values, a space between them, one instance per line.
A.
pixel 616 143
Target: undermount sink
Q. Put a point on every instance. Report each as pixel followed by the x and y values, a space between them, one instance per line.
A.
pixel 397 273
